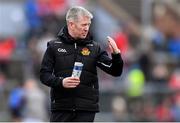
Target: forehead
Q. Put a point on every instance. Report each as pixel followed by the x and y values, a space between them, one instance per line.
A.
pixel 84 19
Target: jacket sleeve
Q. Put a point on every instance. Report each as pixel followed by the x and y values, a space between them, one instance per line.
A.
pixel 112 66
pixel 47 67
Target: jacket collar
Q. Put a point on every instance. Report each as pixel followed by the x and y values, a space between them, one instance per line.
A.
pixel 64 36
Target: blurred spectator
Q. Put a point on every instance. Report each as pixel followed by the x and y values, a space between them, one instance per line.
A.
pixel 16 103
pixel 35 108
pixel 3 82
pixel 160 74
pixel 145 65
pixel 148 110
pixel 167 22
pixel 176 107
pixel 174 82
pixel 7 47
pixel 50 7
pixel 163 111
pixel 119 109
pixel 174 46
pixel 51 12
pixel 37 46
pixel 33 17
pixel 135 109
pixel 135 82
pixel 161 23
pixel 135 90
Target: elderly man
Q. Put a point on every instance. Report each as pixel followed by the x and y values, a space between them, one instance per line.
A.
pixel 76 98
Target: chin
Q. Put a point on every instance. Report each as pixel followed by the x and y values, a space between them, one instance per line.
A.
pixel 83 37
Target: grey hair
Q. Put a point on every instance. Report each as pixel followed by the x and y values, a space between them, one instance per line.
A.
pixel 77 11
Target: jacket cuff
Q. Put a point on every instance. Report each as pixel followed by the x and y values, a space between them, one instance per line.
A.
pixel 58 82
pixel 116 56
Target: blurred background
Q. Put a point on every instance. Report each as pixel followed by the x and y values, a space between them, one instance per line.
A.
pixel 146 31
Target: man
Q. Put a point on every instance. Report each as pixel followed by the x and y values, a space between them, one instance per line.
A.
pixel 76 98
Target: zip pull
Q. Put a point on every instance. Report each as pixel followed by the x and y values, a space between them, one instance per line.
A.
pixel 75 45
pixel 93 86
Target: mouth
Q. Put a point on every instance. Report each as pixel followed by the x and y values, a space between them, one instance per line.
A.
pixel 84 34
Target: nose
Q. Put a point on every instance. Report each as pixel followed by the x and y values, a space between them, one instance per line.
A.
pixel 86 28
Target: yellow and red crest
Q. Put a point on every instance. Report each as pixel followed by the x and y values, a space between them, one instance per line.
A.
pixel 85 51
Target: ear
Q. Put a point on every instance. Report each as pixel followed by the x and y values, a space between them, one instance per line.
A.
pixel 70 24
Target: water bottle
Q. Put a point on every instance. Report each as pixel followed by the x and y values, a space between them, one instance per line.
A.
pixel 77 69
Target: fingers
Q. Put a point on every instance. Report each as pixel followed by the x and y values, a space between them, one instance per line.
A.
pixel 109 38
pixel 71 85
pixel 73 78
pixel 111 42
pixel 71 82
pixel 112 45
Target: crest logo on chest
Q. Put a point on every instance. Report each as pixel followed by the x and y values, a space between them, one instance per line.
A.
pixel 85 51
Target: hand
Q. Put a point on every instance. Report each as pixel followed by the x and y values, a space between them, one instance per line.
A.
pixel 112 45
pixel 70 82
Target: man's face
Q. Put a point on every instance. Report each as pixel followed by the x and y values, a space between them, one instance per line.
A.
pixel 80 28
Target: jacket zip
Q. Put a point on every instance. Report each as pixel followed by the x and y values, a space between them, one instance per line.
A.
pixel 75 56
pixel 75 49
pixel 75 52
pixel 75 46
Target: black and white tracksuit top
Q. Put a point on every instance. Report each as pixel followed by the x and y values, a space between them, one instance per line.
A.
pixel 58 62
